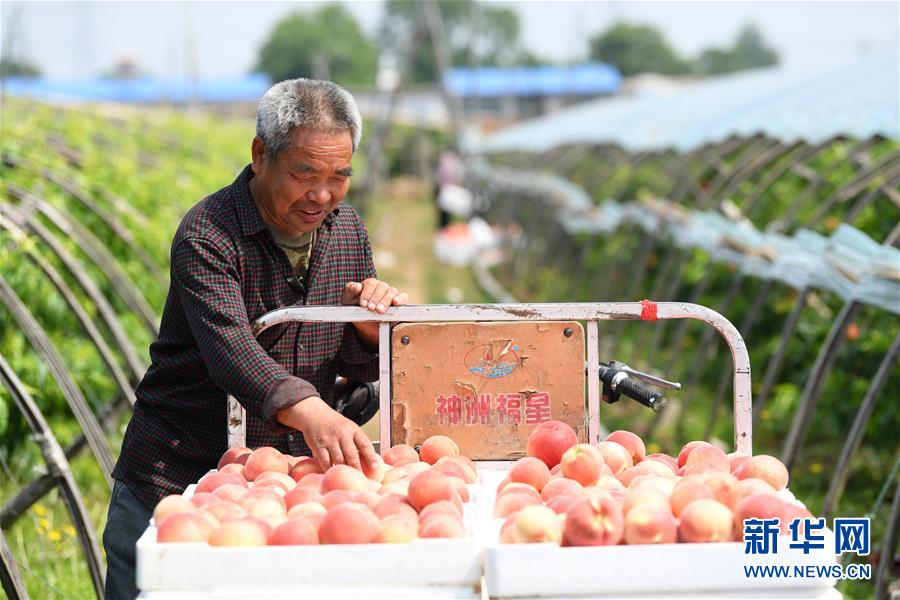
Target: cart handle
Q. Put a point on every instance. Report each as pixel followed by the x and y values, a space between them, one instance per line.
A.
pixel 591 312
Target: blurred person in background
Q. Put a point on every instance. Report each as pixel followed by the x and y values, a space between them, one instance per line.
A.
pixel 277 236
pixel 449 172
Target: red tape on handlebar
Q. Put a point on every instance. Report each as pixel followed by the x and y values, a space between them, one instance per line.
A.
pixel 648 310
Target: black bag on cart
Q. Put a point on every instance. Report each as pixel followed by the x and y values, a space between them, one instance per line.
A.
pixel 356 400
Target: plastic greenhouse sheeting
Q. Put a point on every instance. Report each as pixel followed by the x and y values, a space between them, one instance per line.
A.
pixel 848 262
pixel 859 100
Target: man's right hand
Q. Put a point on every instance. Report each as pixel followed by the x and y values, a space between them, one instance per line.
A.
pixel 333 438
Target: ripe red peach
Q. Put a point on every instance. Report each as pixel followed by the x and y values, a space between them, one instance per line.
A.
pixel 686 492
pixel 211 481
pixel 725 488
pixel 519 488
pixel 631 442
pixel 615 456
pixel 582 463
pixel 234 468
pixel 399 452
pixel 304 466
pixel 442 507
pixel 184 527
pixel 660 484
pixel 531 471
pixel 370 499
pixel 594 521
pixel 172 505
pixel 265 459
pixel 392 505
pixel 451 469
pixel 234 455
pixel 313 480
pixel 335 497
pixel 393 475
pixel 650 524
pixel 349 523
pixel 286 482
pixel 706 458
pixel 245 531
pixel 760 506
pixel 705 520
pixel 430 486
pixel 344 477
pixel 642 496
pixel 561 486
pixel 536 524
pixel 442 526
pixel 203 498
pixel 752 486
pixel 765 467
pixel 506 530
pixel 561 503
pixel 396 530
pixel 225 511
pixel 508 504
pixel 467 463
pixel 262 503
pixel 400 487
pixel 550 440
pixel 311 511
pixel 664 459
pixel 300 495
pixel 230 492
pixel 736 459
pixel 687 449
pixel 295 532
pixel 437 446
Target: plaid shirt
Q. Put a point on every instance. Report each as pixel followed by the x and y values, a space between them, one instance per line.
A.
pixel 226 271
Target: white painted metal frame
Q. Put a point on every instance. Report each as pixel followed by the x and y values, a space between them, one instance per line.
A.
pixel 590 312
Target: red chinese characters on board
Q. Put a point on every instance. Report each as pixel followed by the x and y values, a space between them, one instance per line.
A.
pixel 484 409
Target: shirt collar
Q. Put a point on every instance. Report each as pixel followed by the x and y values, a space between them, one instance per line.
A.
pixel 248 215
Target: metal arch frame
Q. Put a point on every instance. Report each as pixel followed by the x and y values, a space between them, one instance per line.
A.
pixel 72 393
pixel 592 313
pixel 74 190
pixel 97 252
pixel 104 309
pixel 59 470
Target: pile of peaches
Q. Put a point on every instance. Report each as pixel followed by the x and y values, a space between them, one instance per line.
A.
pixel 263 497
pixel 613 492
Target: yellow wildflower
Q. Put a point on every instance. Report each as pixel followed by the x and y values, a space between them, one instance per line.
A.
pixel 70 531
pixel 39 510
pixel 43 524
pixel 54 535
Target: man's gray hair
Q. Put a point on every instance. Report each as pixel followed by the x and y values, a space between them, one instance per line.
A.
pixel 312 103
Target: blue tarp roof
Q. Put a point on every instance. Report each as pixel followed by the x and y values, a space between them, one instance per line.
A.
pixel 585 79
pixel 142 90
pixel 859 100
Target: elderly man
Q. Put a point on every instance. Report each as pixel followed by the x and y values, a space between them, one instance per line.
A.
pixel 277 236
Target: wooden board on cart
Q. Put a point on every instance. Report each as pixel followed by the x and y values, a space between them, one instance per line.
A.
pixel 486 385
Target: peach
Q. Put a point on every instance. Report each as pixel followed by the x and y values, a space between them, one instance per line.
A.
pixel 752 486
pixel 184 527
pixel 335 497
pixel 305 465
pixel 311 511
pixel 631 442
pixel 172 505
pixel 736 459
pixel 349 523
pixel 262 503
pixel 301 495
pixel 706 458
pixel 531 471
pixel 234 455
pixel 536 524
pixel 582 463
pixel 286 482
pixel 451 469
pixel 760 506
pixel 344 477
pixel 211 481
pixel 437 446
pixel 401 487
pixel 234 468
pixel 467 463
pixel 245 531
pixel 650 524
pixel 393 475
pixel 550 440
pixel 399 452
pixel 705 520
pixel 430 486
pixel 725 488
pixel 765 467
pixel 642 496
pixel 610 481
pixel 561 486
pixel 203 498
pixel 442 526
pixel 415 468
pixel 370 499
pixel 664 459
pixel 660 484
pixel 615 456
pixel 687 491
pixel 459 486
pixel 265 459
pixel 397 530
pixel 225 511
pixel 231 492
pixel 687 449
pixel 594 521
pixel 508 504
pixel 442 507
pixel 556 471
pixel 506 530
pixel 561 503
pixel 295 532
pixel 519 488
pixel 313 480
pixel 396 506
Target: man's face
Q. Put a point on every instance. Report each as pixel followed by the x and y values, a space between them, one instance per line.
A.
pixel 307 180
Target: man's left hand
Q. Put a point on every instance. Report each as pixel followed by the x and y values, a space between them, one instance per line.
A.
pixel 373 294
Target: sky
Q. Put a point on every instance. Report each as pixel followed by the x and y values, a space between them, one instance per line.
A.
pixel 80 39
